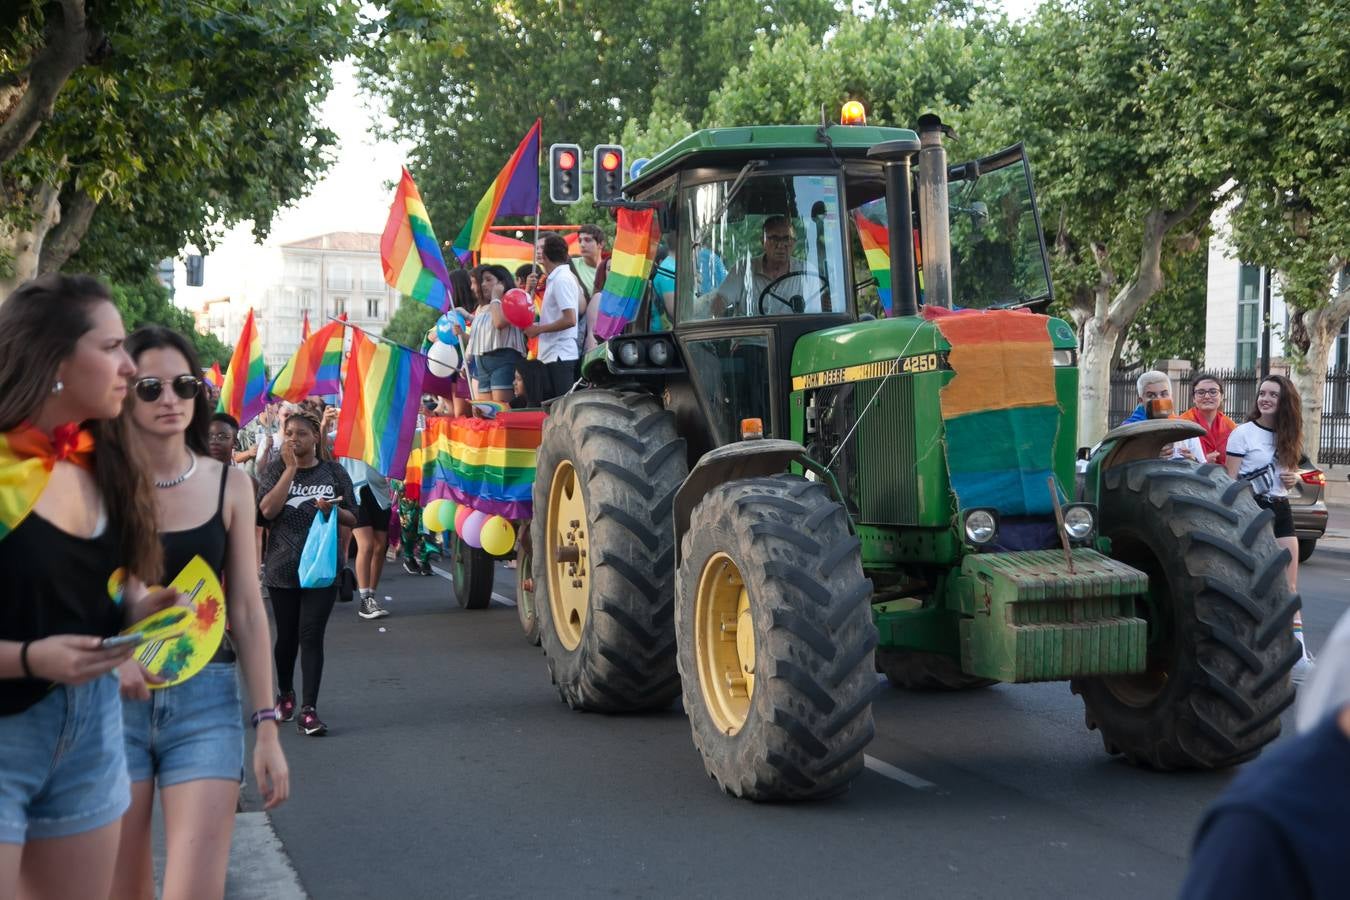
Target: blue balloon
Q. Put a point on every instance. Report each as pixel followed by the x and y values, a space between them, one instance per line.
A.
pixel 445 326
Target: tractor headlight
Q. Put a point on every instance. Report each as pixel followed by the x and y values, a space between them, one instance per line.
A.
pixel 659 354
pixel 630 354
pixel 1064 357
pixel 981 526
pixel 1080 521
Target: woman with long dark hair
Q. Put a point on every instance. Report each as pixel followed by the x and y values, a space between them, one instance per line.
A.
pixel 495 345
pixel 196 759
pixel 78 538
pixel 1264 451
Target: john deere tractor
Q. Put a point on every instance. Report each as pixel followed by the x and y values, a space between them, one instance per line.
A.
pixel 843 458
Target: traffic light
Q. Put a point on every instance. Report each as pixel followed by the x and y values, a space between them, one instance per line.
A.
pixel 564 173
pixel 608 172
pixel 196 269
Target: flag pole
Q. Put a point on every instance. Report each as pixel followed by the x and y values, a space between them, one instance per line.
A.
pixel 539 199
pixel 371 334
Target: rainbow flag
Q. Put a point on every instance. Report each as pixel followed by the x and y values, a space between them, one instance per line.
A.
pixel 409 251
pixel 315 368
pixel 380 399
pixel 514 192
pixel 1000 410
pixel 214 375
pixel 484 464
pixel 500 250
pixel 244 393
pixel 629 268
pixel 876 244
pixel 304 326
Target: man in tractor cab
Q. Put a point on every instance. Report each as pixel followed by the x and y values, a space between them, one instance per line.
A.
pixel 739 293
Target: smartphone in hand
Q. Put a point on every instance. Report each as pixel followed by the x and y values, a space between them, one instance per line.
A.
pixel 123 640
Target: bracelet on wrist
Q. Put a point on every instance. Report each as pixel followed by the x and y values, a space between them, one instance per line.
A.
pixel 264 715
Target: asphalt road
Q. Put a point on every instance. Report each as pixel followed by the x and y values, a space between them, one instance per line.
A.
pixel 453 770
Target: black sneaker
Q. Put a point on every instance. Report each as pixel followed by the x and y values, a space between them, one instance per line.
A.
pixel 370 608
pixel 310 723
pixel 426 568
pixel 286 706
pixel 411 567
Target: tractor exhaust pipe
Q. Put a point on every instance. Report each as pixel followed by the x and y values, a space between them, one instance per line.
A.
pixel 934 223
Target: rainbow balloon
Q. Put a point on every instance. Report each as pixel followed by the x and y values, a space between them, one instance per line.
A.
pixel 244 393
pixel 409 251
pixel 380 399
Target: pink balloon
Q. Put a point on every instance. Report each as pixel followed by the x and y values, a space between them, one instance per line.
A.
pixel 472 530
pixel 517 308
pixel 460 515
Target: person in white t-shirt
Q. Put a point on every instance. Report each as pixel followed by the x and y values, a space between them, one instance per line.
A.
pixel 1264 451
pixel 557 323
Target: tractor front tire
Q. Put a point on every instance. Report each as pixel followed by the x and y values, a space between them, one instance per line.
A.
pixel 603 549
pixel 1220 614
pixel 775 640
pixel 918 670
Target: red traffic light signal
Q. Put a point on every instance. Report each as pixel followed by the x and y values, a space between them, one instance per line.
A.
pixel 567 160
pixel 564 173
pixel 608 182
pixel 609 160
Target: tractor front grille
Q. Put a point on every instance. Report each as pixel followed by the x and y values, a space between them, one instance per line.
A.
pixel 877 467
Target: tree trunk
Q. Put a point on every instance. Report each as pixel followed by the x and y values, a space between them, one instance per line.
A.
pixel 25 245
pixel 1100 338
pixel 77 211
pixel 1309 374
pixel 70 42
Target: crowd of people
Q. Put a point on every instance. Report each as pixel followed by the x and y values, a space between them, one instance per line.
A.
pixel 1264 452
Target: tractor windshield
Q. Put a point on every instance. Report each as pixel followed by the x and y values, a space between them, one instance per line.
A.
pixel 760 245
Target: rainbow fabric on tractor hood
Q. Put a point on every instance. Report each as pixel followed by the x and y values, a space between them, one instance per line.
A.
pixel 27 457
pixel 485 464
pixel 1000 410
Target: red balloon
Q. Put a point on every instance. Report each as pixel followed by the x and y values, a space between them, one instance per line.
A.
pixel 517 308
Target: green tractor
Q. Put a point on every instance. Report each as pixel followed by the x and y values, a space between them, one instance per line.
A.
pixel 821 472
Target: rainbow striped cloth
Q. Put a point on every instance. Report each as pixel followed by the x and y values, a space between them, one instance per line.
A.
pixel 27 457
pixel 244 393
pixel 380 400
pixel 514 192
pixel 1000 409
pixel 420 274
pixel 484 464
pixel 629 267
pixel 315 368
pixel 876 244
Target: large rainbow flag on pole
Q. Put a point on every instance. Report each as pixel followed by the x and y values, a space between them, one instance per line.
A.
pixel 484 464
pixel 244 393
pixel 315 368
pixel 380 399
pixel 409 252
pixel 629 268
pixel 514 192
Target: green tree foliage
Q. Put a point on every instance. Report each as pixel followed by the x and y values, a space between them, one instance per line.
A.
pixel 147 302
pixel 410 323
pixel 464 79
pixel 1172 324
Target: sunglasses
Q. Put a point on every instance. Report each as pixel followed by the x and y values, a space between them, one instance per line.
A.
pixel 184 386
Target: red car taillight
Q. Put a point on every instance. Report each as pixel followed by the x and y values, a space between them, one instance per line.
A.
pixel 1314 476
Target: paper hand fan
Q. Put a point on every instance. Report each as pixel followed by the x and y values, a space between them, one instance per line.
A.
pixel 182 639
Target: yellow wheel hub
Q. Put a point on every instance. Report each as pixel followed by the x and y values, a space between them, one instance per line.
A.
pixel 568 556
pixel 724 643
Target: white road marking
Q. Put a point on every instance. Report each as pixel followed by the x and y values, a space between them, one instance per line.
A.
pixel 504 601
pixel 259 868
pixel 909 779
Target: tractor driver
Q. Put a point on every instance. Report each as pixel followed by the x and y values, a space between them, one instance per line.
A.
pixel 741 293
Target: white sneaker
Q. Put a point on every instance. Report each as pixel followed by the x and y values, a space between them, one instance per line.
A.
pixel 1302 669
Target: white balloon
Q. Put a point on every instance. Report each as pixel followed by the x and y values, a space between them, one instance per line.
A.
pixel 443 359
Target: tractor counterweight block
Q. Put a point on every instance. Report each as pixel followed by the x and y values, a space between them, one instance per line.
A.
pixel 1031 619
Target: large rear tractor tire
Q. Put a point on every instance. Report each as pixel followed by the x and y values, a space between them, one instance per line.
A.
pixel 775 640
pixel 603 549
pixel 917 670
pixel 1220 642
pixel 472 570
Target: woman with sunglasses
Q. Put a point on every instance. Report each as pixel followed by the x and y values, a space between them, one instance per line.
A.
pixel 1264 452
pixel 292 491
pixel 189 737
pixel 76 514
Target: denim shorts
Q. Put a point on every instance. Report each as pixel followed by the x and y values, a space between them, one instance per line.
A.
pixel 497 369
pixel 187 732
pixel 63 769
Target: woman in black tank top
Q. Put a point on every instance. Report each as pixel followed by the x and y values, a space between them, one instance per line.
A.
pixel 189 737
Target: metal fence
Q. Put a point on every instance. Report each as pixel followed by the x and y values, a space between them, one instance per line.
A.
pixel 1239 389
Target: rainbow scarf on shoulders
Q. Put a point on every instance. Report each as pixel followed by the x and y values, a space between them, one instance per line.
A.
pixel 27 458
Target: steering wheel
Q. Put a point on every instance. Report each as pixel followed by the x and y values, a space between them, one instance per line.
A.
pixel 795 302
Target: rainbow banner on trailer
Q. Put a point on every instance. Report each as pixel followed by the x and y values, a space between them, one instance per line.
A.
pixel 629 268
pixel 514 192
pixel 1000 409
pixel 315 368
pixel 244 393
pixel 876 244
pixel 380 400
pixel 409 251
pixel 484 464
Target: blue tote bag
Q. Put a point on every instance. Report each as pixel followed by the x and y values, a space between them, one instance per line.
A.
pixel 318 561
